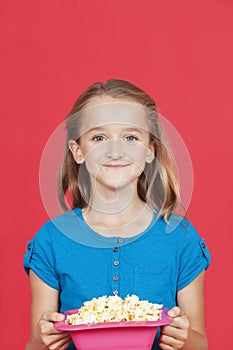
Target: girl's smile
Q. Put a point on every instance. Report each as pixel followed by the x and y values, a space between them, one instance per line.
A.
pixel 115 166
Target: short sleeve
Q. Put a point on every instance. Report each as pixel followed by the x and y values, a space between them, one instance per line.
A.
pixel 194 257
pixel 40 258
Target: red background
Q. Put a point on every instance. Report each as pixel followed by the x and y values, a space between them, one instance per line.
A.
pixel 178 51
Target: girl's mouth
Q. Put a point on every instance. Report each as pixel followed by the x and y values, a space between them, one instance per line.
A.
pixel 115 165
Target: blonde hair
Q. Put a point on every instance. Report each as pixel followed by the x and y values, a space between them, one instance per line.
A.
pixel 158 185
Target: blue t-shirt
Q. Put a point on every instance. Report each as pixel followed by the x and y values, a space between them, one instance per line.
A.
pixel 82 264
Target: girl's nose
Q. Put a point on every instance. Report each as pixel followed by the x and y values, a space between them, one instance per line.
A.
pixel 115 149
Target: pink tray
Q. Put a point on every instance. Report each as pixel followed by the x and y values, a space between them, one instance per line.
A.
pixel 114 335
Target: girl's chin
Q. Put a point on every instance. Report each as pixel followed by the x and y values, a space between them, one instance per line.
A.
pixel 109 188
pixel 116 185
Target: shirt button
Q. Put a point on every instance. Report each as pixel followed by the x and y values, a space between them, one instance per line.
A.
pixel 203 245
pixel 120 240
pixel 115 292
pixel 116 263
pixel 115 249
pixel 115 278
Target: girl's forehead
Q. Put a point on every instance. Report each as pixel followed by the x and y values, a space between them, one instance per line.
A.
pixel 118 113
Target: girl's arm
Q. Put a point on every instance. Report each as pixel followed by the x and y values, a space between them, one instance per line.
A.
pixel 187 331
pixel 44 311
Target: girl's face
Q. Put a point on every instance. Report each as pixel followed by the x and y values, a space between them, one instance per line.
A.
pixel 114 142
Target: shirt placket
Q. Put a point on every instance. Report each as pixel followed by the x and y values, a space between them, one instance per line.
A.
pixel 116 267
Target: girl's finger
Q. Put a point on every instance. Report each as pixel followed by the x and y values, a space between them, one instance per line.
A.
pixel 46 323
pixel 179 322
pixel 173 342
pixel 55 342
pixel 165 346
pixel 180 334
pixel 47 328
pixel 175 312
pixel 53 316
pixel 61 344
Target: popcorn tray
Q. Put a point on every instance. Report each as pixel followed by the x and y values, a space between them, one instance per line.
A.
pixel 137 335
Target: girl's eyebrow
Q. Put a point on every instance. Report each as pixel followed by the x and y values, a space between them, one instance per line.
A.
pixel 133 130
pixel 101 129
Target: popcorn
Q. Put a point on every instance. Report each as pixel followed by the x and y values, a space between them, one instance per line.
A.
pixel 115 309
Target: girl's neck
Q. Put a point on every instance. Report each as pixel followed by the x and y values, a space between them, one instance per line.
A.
pixel 126 216
pixel 114 203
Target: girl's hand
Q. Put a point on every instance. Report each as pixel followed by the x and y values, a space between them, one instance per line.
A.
pixel 51 338
pixel 174 335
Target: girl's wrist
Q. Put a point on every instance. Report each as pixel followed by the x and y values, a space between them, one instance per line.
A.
pixel 34 345
pixel 35 342
pixel 196 341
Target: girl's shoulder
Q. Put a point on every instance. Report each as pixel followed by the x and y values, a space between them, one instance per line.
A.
pixel 62 224
pixel 185 234
pixel 179 231
pixel 176 225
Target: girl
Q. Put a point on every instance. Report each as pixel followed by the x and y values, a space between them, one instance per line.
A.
pixel 122 182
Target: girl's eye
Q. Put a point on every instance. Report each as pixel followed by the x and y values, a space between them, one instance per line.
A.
pixel 98 138
pixel 131 138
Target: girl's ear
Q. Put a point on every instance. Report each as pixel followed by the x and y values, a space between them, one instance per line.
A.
pixel 150 155
pixel 76 152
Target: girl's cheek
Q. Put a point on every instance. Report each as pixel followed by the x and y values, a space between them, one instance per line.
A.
pixel 137 153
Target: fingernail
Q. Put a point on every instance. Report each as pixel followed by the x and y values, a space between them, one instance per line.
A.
pixel 172 314
pixel 60 317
